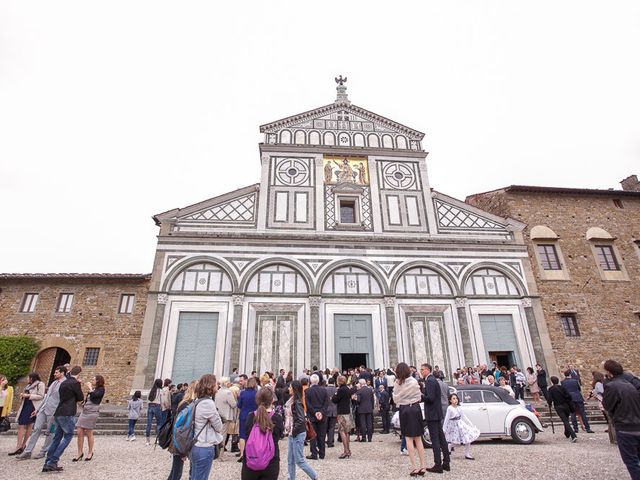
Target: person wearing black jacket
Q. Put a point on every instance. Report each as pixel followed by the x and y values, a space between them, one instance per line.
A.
pixel 561 399
pixel 364 396
pixel 622 401
pixel 542 380
pixel 433 415
pixel 295 426
pixel 342 399
pixel 64 419
pixel 317 402
pixel 384 402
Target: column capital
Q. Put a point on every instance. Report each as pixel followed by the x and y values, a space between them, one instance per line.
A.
pixel 526 302
pixel 389 301
pixel 461 302
pixel 238 300
pixel 314 301
pixel 163 298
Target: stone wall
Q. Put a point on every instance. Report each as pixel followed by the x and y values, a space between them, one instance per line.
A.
pixel 608 312
pixel 94 322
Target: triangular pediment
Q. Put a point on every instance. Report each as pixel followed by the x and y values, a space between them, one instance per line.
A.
pixel 456 216
pixel 342 122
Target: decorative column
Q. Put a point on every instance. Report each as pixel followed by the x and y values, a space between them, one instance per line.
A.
pixel 533 330
pixel 236 331
pixel 392 339
pixel 461 304
pixel 314 304
pixel 156 332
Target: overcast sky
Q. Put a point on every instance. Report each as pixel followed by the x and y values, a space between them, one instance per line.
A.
pixel 111 112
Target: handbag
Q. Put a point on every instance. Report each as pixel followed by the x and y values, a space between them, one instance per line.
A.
pixel 5 425
pixel 311 433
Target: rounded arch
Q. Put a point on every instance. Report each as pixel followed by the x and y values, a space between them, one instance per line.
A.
pixel 285 136
pixel 446 275
pixel 401 141
pixel 374 141
pixel 314 138
pixel 329 138
pixel 180 266
pixel 542 232
pixel 344 140
pixel 597 233
pixel 293 264
pixel 331 267
pixel 358 140
pixel 387 141
pixel 522 290
pixel 300 137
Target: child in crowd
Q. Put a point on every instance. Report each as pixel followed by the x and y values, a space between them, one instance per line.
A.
pixel 135 407
pixel 457 427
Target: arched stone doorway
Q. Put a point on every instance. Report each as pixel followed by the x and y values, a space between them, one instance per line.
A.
pixel 47 360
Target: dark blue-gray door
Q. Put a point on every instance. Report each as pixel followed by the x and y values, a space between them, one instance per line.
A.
pixel 195 346
pixel 353 334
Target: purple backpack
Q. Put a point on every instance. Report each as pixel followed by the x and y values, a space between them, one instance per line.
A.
pixel 260 449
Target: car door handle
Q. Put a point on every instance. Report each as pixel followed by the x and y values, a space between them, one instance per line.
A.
pixel 482 408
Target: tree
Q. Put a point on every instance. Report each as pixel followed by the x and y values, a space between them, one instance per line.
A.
pixel 16 355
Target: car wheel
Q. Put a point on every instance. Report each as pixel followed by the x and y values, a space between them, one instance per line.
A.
pixel 522 431
pixel 426 438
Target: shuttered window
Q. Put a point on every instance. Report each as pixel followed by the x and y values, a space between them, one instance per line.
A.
pixel 195 346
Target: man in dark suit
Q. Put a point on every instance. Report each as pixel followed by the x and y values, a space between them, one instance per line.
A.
pixel 317 402
pixel 574 373
pixel 364 397
pixel 434 417
pixel 572 386
pixel 542 380
pixel 384 400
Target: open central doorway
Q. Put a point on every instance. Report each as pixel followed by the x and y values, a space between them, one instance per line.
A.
pixel 352 360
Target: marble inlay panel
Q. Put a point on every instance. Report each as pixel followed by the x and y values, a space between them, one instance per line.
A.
pixel 266 346
pixel 284 350
pixel 436 343
pixel 419 346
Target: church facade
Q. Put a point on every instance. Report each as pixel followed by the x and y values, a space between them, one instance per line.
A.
pixel 341 255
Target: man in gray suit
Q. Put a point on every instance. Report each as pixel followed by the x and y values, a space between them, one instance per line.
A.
pixel 44 417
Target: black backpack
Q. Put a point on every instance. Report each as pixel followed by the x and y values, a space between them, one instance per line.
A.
pixel 165 433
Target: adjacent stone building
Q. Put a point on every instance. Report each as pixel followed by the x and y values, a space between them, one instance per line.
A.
pixel 584 247
pixel 341 255
pixel 92 320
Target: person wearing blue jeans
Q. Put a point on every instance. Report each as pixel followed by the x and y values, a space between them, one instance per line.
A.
pixel 295 457
pixel 64 419
pixel 153 409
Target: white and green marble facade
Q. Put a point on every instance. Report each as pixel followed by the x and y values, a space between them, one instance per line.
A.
pixel 276 265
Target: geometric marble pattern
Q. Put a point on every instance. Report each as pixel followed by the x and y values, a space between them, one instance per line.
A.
pixel 241 209
pixel 450 216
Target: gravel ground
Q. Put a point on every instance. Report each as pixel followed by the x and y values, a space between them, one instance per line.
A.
pixel 550 457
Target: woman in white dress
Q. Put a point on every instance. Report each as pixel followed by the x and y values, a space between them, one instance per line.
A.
pixel 458 429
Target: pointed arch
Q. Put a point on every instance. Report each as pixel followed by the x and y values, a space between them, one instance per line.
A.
pixel 442 272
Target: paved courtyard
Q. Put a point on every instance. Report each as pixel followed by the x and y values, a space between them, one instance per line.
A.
pixel 550 457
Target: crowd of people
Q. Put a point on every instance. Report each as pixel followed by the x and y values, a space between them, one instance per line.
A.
pixel 248 415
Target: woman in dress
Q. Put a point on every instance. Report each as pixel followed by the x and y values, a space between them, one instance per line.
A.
pixel 458 429
pixel 31 400
pixel 89 416
pixel 532 381
pixel 209 425
pixel 246 404
pixel 267 420
pixel 295 428
pixel 407 396
pixel 342 399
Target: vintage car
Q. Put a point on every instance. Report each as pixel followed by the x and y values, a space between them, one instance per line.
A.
pixel 496 413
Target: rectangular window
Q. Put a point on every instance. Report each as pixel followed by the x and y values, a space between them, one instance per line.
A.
pixel 607 258
pixel 64 303
pixel 126 303
pixel 347 211
pixel 549 257
pixel 618 203
pixel 570 325
pixel 29 303
pixel 90 357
